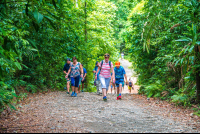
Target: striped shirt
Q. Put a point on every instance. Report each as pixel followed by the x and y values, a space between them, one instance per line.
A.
pixel 105 69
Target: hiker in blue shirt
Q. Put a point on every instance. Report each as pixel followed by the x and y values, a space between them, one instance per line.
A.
pixel 65 70
pixel 82 80
pixel 97 81
pixel 119 77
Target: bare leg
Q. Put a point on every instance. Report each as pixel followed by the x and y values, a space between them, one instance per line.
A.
pixel 82 86
pixel 73 88
pixel 79 88
pixel 119 89
pixel 76 89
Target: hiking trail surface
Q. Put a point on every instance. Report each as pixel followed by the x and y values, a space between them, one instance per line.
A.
pixel 57 112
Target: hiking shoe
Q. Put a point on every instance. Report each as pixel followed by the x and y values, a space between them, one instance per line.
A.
pixel 72 94
pixel 68 93
pixel 81 90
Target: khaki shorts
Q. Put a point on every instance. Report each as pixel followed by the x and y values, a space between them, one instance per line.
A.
pixel 68 79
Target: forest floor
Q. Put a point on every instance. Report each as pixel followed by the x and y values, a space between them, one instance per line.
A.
pixel 57 112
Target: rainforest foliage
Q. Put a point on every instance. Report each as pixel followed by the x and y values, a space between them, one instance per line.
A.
pixel 161 38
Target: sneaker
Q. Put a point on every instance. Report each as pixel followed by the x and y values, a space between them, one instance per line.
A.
pixel 120 97
pixel 68 92
pixel 105 98
pixel 72 94
pixel 81 90
pixel 117 98
pixel 75 95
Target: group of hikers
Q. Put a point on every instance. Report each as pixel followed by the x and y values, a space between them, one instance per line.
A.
pixel 105 75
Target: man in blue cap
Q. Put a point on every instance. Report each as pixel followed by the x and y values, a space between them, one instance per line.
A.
pixel 65 70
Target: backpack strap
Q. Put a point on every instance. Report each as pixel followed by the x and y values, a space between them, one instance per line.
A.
pixel 101 63
pixel 110 64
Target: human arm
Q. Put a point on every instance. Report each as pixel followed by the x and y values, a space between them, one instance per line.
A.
pixel 81 68
pixel 84 76
pixel 113 74
pixel 126 79
pixel 94 71
pixel 68 72
pixel 64 72
pixel 132 84
pixel 97 72
pixel 85 73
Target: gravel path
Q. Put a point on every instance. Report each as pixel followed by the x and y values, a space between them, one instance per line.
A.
pixel 57 112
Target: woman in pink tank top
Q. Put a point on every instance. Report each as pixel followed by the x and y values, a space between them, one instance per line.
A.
pixel 105 76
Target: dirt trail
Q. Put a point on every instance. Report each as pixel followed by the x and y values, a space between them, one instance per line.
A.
pixel 88 113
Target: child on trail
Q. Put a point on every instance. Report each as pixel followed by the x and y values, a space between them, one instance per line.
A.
pixel 130 85
pixel 119 76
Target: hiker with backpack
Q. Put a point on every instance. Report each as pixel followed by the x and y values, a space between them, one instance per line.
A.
pixel 82 80
pixel 105 67
pixel 130 85
pixel 75 68
pixel 97 81
pixel 119 76
pixel 65 70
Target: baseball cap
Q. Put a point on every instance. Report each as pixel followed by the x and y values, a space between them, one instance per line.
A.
pixel 68 59
pixel 117 63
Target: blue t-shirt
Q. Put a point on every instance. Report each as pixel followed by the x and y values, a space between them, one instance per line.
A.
pixel 84 72
pixel 95 69
pixel 119 72
pixel 66 68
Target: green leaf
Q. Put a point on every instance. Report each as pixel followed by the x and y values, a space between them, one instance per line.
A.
pixel 24 66
pixel 18 65
pixel 49 19
pixel 192 48
pixel 38 16
pixel 198 42
pixel 184 39
pixel 14 94
pixel 11 106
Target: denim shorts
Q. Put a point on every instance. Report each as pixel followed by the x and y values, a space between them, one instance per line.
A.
pixel 105 82
pixel 75 81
